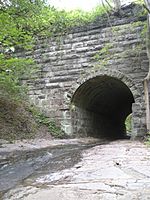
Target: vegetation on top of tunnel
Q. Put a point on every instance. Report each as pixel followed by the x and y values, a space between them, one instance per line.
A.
pixel 22 20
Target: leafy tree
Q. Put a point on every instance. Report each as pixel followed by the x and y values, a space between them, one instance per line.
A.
pixel 18 21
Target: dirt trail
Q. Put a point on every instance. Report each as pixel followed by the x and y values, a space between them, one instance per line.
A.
pixel 118 170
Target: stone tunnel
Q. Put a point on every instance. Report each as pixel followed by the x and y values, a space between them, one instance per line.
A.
pixel 101 106
pixel 98 105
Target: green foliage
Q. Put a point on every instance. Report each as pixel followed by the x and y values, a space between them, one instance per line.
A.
pixel 106 49
pixel 18 21
pixel 41 119
pixel 143 25
pixel 22 20
pixel 79 17
pixel 144 31
pixel 128 123
pixel 147 139
pixel 53 21
pixel 15 33
pixel 12 70
pixel 141 2
pixel 102 55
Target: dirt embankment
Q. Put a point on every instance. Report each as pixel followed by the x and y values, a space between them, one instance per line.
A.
pixel 17 121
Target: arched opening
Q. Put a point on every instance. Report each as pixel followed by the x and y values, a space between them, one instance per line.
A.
pixel 100 107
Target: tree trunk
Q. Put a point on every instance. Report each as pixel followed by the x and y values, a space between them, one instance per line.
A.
pixel 146 82
pixel 147 78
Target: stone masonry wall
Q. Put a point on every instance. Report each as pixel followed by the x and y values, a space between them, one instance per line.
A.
pixel 65 59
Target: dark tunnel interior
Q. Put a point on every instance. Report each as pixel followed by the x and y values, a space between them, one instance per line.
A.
pixel 103 104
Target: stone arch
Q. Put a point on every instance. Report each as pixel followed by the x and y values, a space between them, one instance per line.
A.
pixel 87 119
pixel 112 73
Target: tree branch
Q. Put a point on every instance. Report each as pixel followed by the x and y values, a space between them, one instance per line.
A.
pixel 148 10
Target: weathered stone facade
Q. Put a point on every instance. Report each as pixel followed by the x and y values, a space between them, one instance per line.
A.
pixel 89 97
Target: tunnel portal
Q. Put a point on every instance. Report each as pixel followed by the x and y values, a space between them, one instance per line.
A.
pixel 100 107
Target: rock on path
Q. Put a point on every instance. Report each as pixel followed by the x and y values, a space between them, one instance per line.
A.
pixel 119 170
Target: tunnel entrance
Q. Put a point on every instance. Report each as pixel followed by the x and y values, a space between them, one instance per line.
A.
pixel 100 107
